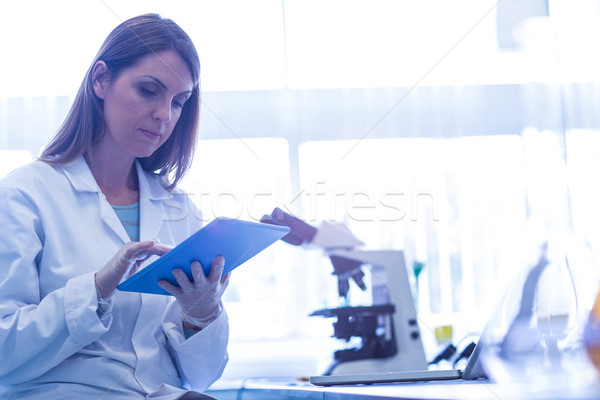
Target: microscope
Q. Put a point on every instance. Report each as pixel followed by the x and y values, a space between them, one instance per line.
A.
pixel 388 330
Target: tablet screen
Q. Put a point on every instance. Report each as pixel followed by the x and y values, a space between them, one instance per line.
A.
pixel 236 240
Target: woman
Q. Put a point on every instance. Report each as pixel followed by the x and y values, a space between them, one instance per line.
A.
pixel 100 201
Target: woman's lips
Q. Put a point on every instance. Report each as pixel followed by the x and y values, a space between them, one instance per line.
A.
pixel 154 135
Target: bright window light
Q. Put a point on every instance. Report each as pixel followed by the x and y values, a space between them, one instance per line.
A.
pixel 273 44
pixel 339 43
pixel 583 165
pixel 11 159
pixel 48 46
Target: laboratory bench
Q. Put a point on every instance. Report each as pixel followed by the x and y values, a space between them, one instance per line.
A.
pixel 281 389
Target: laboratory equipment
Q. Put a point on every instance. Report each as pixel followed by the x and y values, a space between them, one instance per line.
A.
pixel 387 329
pixel 537 333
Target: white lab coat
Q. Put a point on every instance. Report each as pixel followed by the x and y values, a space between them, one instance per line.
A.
pixel 56 230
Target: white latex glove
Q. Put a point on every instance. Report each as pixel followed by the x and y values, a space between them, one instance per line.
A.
pixel 125 263
pixel 200 299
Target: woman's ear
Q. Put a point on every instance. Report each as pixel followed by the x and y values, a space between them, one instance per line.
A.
pixel 100 78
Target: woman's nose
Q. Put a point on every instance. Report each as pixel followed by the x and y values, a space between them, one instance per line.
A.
pixel 163 113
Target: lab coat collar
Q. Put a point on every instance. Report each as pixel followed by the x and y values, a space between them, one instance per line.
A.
pixel 150 185
pixel 152 193
pixel 80 176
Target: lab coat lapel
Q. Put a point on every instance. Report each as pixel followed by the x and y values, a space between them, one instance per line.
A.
pixel 152 195
pixel 80 176
pixel 151 218
pixel 110 219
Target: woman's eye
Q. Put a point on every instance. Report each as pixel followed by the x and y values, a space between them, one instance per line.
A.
pixel 147 92
pixel 177 104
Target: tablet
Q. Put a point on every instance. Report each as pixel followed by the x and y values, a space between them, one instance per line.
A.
pixel 236 240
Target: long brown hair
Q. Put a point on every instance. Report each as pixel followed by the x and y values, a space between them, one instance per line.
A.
pixel 124 46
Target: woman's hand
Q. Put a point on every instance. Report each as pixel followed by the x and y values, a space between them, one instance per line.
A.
pixel 200 300
pixel 125 263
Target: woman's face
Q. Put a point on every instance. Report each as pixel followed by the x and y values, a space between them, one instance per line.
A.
pixel 143 104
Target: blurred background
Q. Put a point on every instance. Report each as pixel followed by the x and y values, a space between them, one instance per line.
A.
pixel 441 128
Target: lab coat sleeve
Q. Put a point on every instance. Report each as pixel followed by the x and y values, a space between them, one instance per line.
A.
pixel 37 334
pixel 202 358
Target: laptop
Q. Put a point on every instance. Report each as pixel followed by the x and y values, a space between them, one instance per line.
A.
pixel 473 370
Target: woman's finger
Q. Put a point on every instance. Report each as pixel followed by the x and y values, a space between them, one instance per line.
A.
pixel 169 287
pixel 141 250
pixel 216 269
pixel 182 280
pixel 198 273
pixel 225 279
